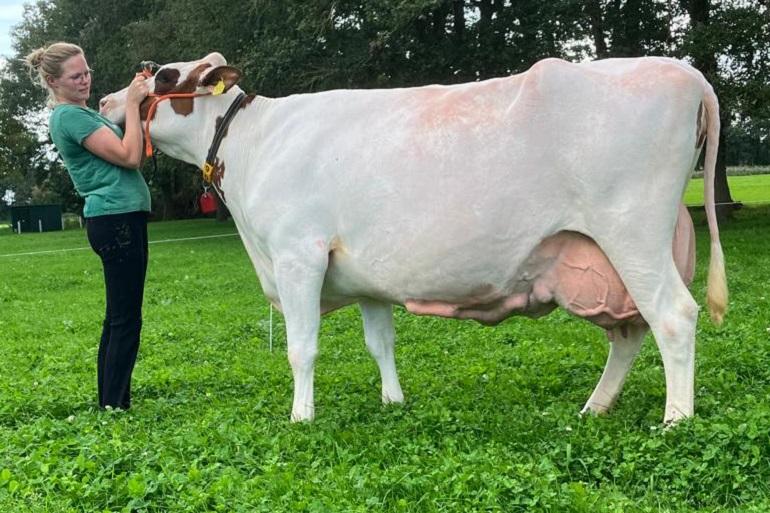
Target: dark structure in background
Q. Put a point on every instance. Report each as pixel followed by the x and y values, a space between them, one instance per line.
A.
pixel 36 218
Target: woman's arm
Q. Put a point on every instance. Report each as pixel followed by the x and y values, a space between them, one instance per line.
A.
pixel 128 151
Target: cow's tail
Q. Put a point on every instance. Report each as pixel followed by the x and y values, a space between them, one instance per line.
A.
pixel 717 282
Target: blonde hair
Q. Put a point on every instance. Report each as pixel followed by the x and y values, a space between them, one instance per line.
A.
pixel 46 62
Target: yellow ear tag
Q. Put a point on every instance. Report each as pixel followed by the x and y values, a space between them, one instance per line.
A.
pixel 219 88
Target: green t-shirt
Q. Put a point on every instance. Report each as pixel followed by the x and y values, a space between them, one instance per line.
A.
pixel 107 188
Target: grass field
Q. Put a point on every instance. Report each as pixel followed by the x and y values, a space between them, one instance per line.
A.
pixel 489 424
pixel 749 189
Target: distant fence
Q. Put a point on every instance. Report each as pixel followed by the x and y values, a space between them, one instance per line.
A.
pixel 739 171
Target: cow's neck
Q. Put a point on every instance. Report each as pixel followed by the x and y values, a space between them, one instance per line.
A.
pixel 193 148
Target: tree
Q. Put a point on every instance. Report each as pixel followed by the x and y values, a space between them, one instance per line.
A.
pixel 728 42
pixel 628 29
pixel 16 153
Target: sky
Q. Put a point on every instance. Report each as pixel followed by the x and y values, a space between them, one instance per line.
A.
pixel 10 14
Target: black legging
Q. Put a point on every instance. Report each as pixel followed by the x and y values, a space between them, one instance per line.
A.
pixel 120 240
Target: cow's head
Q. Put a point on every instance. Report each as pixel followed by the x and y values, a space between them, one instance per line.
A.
pixel 178 121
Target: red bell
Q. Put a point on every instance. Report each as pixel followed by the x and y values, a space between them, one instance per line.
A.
pixel 207 203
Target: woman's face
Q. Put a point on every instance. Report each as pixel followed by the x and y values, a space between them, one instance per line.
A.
pixel 74 83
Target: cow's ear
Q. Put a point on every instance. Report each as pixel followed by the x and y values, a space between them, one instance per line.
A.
pixel 220 79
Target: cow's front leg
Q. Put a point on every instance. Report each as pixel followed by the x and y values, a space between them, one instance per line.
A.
pixel 623 350
pixel 380 340
pixel 299 280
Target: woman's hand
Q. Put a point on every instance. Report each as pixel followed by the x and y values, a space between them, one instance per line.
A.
pixel 125 152
pixel 137 90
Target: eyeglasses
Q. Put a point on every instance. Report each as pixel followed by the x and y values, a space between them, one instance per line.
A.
pixel 78 77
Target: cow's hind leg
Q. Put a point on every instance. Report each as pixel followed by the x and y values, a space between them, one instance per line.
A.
pixel 380 339
pixel 674 330
pixel 669 309
pixel 299 280
pixel 624 346
pixel 665 303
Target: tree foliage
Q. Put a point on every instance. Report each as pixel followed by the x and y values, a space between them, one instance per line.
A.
pixel 295 46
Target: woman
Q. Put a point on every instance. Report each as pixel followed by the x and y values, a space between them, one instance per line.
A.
pixel 102 161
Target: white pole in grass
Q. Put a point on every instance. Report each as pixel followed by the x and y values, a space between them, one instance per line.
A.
pixel 80 220
pixel 40 225
pixel 18 227
pixel 271 327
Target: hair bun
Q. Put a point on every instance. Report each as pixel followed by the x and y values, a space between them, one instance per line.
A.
pixel 35 58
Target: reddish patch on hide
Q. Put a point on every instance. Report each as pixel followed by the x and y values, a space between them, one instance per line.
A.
pixel 217 176
pixel 184 106
pixel 443 107
pixel 144 107
pixel 647 77
pixel 669 329
pixel 247 100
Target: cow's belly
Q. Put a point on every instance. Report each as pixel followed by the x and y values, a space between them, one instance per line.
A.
pixel 469 270
pixel 566 269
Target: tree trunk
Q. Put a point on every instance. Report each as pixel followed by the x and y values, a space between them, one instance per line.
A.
pixel 722 196
pixel 594 11
pixel 705 60
pixel 631 31
pixel 458 7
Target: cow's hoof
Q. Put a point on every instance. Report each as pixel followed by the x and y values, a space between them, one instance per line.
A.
pixel 673 418
pixel 302 415
pixel 594 409
pixel 396 397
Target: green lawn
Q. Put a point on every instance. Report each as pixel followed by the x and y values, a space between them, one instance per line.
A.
pixel 751 190
pixel 490 421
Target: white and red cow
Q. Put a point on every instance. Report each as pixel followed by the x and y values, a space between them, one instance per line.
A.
pixel 479 201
